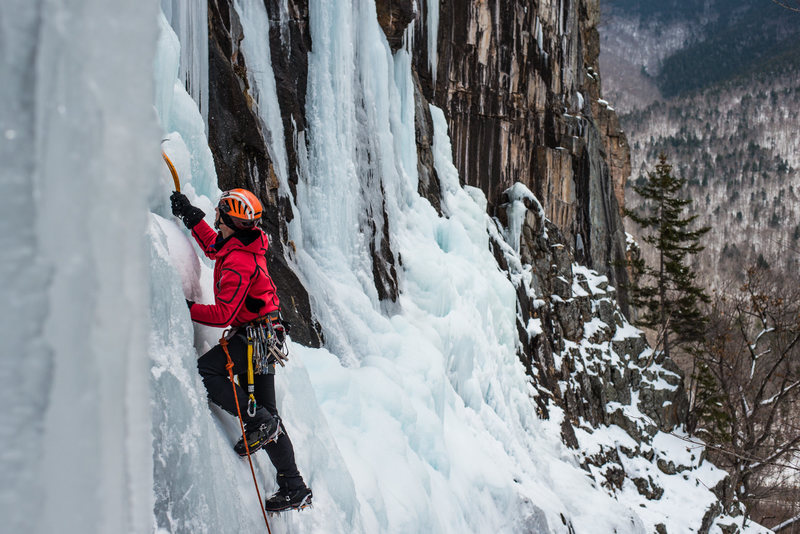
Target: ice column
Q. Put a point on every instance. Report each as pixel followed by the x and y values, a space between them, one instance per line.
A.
pixel 80 144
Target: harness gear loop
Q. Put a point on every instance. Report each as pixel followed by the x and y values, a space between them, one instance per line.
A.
pixel 229 366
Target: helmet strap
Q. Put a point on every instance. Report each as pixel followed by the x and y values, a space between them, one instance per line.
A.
pixel 225 219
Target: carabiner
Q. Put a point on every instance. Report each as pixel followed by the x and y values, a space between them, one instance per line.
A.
pixel 251 407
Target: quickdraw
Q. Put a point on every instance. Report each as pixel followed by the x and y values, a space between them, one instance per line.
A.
pixel 266 345
pixel 267 341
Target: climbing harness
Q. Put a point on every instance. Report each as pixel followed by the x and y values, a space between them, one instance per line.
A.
pixel 229 366
pixel 265 346
pixel 172 171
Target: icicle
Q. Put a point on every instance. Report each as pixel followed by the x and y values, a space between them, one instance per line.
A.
pixel 408 39
pixel 433 36
pixel 189 19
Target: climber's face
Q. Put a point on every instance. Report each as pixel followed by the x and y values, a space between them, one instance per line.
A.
pixel 220 225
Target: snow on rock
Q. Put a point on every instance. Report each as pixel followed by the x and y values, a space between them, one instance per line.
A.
pixel 623 398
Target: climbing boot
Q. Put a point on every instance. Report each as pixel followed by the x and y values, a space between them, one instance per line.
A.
pixel 258 435
pixel 286 499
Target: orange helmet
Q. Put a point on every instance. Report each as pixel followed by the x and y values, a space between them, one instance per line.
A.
pixel 242 206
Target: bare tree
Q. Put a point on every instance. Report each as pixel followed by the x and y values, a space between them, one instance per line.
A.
pixel 788 6
pixel 747 376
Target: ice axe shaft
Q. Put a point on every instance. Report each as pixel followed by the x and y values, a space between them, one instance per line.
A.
pixel 172 171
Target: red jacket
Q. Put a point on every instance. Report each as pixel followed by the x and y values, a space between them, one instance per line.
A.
pixel 243 289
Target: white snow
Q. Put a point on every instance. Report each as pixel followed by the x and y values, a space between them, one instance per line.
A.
pixel 597 283
pixel 627 330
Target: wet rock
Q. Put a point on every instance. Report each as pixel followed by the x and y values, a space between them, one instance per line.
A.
pixel 394 16
pixel 423 129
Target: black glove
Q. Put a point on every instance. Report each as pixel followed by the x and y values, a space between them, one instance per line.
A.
pixel 183 209
pixel 179 203
pixel 189 303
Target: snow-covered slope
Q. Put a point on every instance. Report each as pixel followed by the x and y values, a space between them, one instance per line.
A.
pixel 418 418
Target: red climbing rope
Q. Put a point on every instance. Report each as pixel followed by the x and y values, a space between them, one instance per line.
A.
pixel 229 366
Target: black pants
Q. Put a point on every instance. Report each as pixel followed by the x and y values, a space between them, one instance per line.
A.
pixel 218 385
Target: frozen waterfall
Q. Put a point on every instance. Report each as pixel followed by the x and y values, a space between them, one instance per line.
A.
pixel 79 151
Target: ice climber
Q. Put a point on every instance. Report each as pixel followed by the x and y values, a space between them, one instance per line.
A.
pixel 245 300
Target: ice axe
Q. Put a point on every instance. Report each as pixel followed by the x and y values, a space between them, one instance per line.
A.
pixel 172 171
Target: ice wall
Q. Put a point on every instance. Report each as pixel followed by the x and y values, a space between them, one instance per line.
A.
pixel 429 405
pixel 79 149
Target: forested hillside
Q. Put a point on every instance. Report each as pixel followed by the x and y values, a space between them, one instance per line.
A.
pixel 736 144
pixel 715 87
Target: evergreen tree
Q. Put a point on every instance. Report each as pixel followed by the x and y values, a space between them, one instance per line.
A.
pixel 667 294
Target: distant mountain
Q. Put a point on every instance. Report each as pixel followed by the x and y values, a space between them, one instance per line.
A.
pixel 715 86
pixel 744 39
pixel 684 46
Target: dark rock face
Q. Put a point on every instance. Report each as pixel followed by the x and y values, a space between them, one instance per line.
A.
pixel 519 84
pixel 598 220
pixel 237 142
pixel 384 273
pixel 394 16
pixel 423 125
